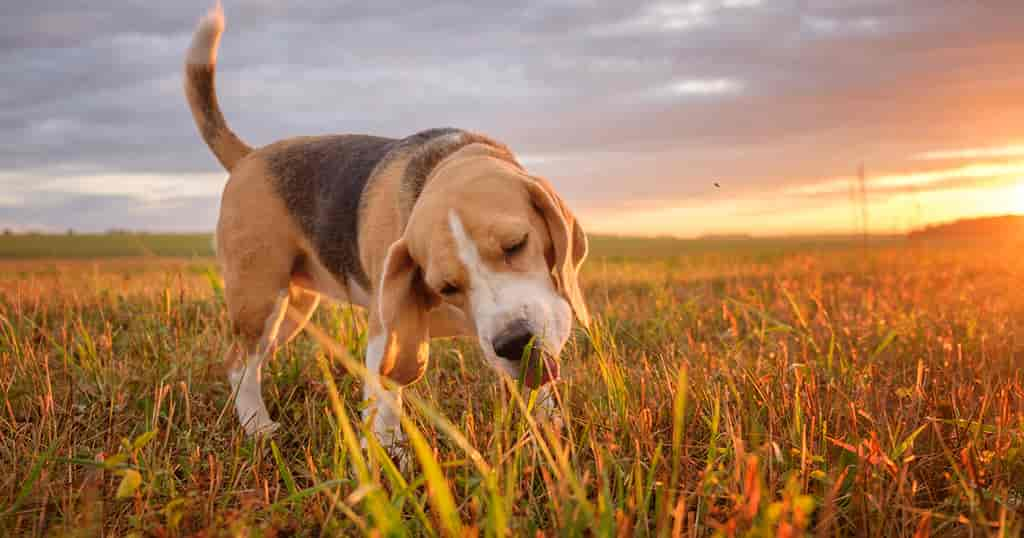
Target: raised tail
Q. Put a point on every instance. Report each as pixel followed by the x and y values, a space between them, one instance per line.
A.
pixel 200 67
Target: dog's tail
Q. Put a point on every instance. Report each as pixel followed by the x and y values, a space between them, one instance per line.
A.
pixel 200 66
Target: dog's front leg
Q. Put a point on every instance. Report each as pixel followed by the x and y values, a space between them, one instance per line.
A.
pixel 382 406
pixel 547 407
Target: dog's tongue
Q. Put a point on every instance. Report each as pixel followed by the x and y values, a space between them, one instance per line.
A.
pixel 540 372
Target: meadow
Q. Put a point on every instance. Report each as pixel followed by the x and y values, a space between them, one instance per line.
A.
pixel 726 387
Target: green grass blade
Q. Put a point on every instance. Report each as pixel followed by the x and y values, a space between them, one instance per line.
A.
pixel 381 511
pixel 440 494
pixel 30 482
pixel 282 467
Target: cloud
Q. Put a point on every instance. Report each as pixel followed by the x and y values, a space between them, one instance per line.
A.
pixel 672 17
pixel 837 27
pixel 917 180
pixel 622 104
pixel 971 153
pixel 102 212
pixel 697 87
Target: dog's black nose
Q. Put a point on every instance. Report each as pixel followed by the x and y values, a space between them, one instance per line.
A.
pixel 513 341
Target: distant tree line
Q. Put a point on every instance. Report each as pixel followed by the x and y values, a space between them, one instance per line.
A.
pixel 1008 227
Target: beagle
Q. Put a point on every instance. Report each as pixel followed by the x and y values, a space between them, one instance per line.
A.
pixel 439 234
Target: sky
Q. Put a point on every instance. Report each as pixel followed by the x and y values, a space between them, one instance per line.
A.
pixel 680 118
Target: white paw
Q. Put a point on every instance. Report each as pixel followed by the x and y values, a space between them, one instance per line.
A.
pixel 395 448
pixel 391 441
pixel 552 418
pixel 391 438
pixel 402 458
pixel 548 412
pixel 261 427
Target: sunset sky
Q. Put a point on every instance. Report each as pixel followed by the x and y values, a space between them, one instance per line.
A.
pixel 633 110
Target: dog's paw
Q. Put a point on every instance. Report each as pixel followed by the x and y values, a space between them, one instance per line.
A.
pixel 397 449
pixel 551 418
pixel 547 413
pixel 261 428
pixel 394 449
pixel 401 456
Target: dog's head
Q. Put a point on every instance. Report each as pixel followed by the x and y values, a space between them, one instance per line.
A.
pixel 501 247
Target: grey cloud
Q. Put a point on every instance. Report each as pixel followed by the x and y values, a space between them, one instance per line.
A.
pixel 97 213
pixel 822 84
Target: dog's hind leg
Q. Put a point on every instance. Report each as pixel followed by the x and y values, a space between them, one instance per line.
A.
pixel 246 372
pixel 247 359
pixel 258 248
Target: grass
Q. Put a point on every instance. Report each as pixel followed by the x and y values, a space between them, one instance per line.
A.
pixel 732 388
pixel 88 246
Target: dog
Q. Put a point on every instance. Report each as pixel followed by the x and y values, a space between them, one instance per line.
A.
pixel 439 234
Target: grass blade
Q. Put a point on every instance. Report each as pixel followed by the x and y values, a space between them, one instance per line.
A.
pixel 30 482
pixel 440 494
pixel 282 467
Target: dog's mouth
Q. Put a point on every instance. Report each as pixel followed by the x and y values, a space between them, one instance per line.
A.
pixel 535 370
pixel 538 369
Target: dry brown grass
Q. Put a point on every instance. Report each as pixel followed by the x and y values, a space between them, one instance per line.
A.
pixel 833 391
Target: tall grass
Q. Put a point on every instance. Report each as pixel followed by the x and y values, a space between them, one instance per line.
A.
pixel 835 392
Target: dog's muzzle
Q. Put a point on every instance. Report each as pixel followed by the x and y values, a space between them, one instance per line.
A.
pixel 518 344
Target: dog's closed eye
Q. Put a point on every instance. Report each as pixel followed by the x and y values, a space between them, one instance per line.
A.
pixel 515 247
pixel 449 289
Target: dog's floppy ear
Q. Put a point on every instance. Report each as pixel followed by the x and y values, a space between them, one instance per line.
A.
pixel 403 304
pixel 568 240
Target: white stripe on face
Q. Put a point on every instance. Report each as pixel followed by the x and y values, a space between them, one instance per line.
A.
pixel 499 299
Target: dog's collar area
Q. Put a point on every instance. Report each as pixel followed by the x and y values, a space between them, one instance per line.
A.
pixel 431 148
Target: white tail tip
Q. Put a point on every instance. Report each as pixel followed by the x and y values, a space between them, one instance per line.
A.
pixel 203 50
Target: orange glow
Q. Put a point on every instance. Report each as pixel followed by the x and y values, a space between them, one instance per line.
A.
pixel 1017 198
pixel 921 179
pixel 898 202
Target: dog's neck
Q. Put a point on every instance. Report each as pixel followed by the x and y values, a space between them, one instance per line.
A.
pixel 428 163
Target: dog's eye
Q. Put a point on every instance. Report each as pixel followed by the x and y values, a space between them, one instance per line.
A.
pixel 449 289
pixel 514 248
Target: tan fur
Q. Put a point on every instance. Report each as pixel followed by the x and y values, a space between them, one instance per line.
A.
pixel 569 243
pixel 403 305
pixel 260 246
pixel 407 317
pixel 477 178
pixel 274 279
pixel 480 180
pixel 201 93
pixel 257 246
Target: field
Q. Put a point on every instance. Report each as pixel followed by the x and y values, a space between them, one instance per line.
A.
pixel 726 387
